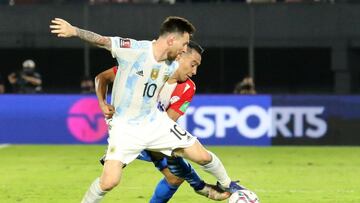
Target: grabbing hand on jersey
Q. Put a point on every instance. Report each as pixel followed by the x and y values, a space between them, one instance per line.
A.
pixel 62 28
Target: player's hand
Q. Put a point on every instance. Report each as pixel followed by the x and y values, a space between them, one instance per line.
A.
pixel 107 110
pixel 62 28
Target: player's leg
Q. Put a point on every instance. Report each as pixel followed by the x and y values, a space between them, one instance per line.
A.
pixel 172 139
pixel 167 186
pixel 122 149
pixel 173 169
pixel 209 163
pixel 109 179
pixel 181 168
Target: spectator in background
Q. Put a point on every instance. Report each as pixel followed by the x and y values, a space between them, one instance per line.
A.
pixel 26 80
pixel 246 86
pixel 2 85
pixel 87 85
pixel 107 1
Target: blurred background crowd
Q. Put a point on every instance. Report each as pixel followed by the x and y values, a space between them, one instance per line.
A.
pixel 282 46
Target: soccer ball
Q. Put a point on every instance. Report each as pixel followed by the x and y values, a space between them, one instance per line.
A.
pixel 243 196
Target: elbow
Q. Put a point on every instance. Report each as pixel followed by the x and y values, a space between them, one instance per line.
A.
pixel 97 80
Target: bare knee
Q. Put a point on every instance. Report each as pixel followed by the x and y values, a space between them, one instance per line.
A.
pixel 171 178
pixel 204 158
pixel 111 175
pixel 174 180
pixel 108 184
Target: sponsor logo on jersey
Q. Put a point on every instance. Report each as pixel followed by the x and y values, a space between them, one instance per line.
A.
pixel 154 73
pixel 140 72
pixel 186 87
pixel 125 43
pixel 174 99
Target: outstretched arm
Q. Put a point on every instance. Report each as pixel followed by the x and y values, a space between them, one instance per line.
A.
pixel 64 29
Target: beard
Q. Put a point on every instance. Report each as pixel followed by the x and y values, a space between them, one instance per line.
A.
pixel 172 56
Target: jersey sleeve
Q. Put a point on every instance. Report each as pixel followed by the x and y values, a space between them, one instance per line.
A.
pixel 126 50
pixel 180 102
pixel 119 42
pixel 115 69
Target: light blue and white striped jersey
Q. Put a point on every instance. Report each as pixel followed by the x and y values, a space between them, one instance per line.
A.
pixel 136 88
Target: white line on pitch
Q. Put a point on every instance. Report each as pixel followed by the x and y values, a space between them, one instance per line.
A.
pixel 4 146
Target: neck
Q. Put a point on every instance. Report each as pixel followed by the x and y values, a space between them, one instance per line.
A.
pixel 173 78
pixel 159 50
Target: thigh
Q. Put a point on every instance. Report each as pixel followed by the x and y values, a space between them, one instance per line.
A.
pixel 168 136
pixel 112 172
pixel 196 153
pixel 123 143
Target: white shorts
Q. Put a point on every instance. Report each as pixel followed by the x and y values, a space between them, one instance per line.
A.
pixel 126 141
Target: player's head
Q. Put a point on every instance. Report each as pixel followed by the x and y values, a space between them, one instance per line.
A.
pixel 28 66
pixel 189 61
pixel 177 32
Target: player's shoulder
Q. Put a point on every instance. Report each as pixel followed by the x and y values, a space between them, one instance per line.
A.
pixel 129 43
pixel 173 64
pixel 191 84
pixel 187 87
pixel 141 44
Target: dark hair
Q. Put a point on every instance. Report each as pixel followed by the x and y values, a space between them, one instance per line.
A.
pixel 194 45
pixel 176 24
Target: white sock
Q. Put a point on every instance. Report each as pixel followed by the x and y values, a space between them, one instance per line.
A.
pixel 217 169
pixel 94 194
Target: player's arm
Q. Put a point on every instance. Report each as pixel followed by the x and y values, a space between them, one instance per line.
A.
pixel 173 114
pixel 102 80
pixel 12 78
pixel 33 80
pixel 64 29
pixel 178 108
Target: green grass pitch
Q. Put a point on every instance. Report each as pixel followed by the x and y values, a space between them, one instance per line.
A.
pixel 62 173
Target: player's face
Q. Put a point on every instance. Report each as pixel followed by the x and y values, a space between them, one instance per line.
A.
pixel 188 64
pixel 177 45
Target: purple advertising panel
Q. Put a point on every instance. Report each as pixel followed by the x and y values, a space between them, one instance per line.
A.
pixel 317 120
pixel 229 119
pixel 215 119
pixel 53 119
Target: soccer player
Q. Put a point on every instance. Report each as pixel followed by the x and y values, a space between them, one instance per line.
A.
pixel 176 107
pixel 137 124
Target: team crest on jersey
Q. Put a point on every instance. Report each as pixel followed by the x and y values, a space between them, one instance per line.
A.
pixel 125 43
pixel 154 73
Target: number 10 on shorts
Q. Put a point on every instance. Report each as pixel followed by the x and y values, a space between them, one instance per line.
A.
pixel 178 132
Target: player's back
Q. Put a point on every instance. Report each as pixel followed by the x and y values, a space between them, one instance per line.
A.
pixel 135 89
